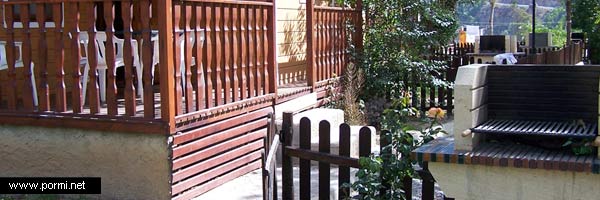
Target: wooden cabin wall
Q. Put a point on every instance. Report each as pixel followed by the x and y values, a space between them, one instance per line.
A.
pixel 291 39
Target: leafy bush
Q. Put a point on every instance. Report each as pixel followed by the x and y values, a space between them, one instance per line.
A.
pixel 382 174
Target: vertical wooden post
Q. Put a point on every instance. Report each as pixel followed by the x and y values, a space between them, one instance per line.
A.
pixel 167 94
pixel 272 55
pixel 311 72
pixel 344 172
pixel 305 164
pixel 287 175
pixel 428 190
pixel 359 28
pixel 44 89
pixel 324 167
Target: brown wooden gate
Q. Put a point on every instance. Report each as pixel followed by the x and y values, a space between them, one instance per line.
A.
pixel 325 158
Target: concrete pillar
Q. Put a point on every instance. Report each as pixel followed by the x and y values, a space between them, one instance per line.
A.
pixel 470 100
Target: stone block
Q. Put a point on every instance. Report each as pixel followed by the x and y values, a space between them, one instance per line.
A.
pixel 471 75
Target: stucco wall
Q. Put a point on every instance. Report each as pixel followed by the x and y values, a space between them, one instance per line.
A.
pixel 132 166
pixel 499 183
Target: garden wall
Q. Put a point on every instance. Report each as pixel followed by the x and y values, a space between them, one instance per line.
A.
pixel 131 166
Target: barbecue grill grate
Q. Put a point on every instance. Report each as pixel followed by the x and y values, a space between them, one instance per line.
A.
pixel 543 128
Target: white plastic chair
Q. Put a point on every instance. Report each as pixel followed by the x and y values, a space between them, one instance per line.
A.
pixel 119 62
pixel 156 58
pixel 18 63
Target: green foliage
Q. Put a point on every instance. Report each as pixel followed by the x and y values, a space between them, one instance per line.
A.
pixel 586 16
pixel 398 34
pixel 388 168
pixel 579 147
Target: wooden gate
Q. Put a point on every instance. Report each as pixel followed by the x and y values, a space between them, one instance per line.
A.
pixel 325 158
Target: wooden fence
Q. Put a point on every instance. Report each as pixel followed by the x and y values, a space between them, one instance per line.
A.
pixel 329 39
pixel 325 158
pixel 568 55
pixel 425 95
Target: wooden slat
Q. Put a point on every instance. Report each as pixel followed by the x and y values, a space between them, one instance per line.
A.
pixel 216 160
pixel 286 161
pixel 218 48
pixel 215 114
pixel 324 147
pixel 250 52
pixel 304 173
pixel 222 169
pixel 92 59
pixel 111 87
pixel 255 46
pixel 81 122
pixel 28 89
pixel 217 137
pixel 201 88
pixel 188 45
pixel 177 37
pixel 42 65
pixel 72 19
pixel 202 131
pixel 218 181
pixel 243 52
pixel 147 57
pixel 323 47
pixel 364 138
pixel 344 171
pixel 210 68
pixel 226 52
pixel 311 71
pixel 216 149
pixel 235 48
pixel 267 68
pixel 130 104
pixel 322 157
pixel 329 46
pixel 11 58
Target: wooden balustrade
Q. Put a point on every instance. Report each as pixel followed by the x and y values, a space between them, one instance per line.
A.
pixel 228 53
pixel 329 40
pixel 218 53
pixel 53 68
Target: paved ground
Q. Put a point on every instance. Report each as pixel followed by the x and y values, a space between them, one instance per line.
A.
pixel 249 186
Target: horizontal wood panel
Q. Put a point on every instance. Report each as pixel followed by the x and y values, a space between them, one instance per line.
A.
pixel 216 149
pixel 216 160
pixel 218 137
pixel 217 171
pixel 219 126
pixel 189 194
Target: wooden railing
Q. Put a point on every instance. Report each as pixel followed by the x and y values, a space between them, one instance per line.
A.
pixel 208 54
pixel 226 54
pixel 51 71
pixel 329 39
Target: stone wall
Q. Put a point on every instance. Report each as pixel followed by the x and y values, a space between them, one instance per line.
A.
pixel 132 166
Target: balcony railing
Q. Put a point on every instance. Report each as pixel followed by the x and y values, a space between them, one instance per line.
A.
pixel 147 62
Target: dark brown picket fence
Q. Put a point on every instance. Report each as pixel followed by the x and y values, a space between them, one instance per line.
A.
pixel 325 158
pixel 425 94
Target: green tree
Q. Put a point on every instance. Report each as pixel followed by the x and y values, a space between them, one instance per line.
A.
pixel 398 36
pixel 586 17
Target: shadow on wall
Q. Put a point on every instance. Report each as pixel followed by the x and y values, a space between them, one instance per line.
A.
pixel 293 48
